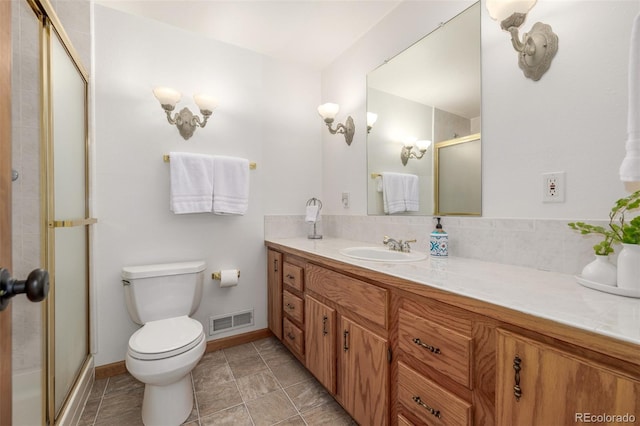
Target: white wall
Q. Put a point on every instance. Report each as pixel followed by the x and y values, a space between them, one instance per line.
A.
pixel 344 82
pixel 572 120
pixel 266 113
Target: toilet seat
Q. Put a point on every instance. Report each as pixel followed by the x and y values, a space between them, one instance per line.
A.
pixel 165 338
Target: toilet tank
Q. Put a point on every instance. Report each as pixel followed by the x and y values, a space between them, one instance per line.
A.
pixel 160 291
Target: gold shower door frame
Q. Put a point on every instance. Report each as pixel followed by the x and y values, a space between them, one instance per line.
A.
pixel 51 28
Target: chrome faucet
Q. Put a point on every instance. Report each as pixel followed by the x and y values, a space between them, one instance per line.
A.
pixel 405 247
pixel 394 245
pixel 398 245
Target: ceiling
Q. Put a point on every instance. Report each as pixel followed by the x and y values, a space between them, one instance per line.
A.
pixel 309 32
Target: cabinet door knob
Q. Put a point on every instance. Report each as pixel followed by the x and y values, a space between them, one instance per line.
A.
pixel 517 390
pixel 431 410
pixel 345 336
pixel 324 325
pixel 430 348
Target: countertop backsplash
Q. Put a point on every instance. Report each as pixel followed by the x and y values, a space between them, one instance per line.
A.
pixel 544 244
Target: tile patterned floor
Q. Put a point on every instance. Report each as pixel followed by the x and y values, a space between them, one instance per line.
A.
pixel 255 384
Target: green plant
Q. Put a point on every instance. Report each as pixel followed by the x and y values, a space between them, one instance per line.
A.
pixel 619 230
pixel 604 247
pixel 627 233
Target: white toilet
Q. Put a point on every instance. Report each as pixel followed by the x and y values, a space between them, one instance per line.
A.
pixel 169 344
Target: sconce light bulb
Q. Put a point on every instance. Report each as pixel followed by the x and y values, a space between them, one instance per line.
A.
pixel 499 10
pixel 206 103
pixel 328 111
pixel 410 142
pixel 423 145
pixel 371 119
pixel 167 96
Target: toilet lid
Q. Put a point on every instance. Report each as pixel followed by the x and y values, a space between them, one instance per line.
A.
pixel 165 338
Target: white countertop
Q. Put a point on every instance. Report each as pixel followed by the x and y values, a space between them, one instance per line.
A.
pixel 549 295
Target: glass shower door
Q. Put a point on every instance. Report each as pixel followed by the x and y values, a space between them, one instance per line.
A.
pixel 67 220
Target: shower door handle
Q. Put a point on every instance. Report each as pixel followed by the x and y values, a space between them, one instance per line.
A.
pixel 36 286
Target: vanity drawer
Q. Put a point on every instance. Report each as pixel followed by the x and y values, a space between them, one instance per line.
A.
pixel 293 275
pixel 437 346
pixel 293 336
pixel 402 421
pixel 359 297
pixel 429 402
pixel 293 306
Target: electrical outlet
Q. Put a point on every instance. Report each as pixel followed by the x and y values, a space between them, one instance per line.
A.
pixel 345 200
pixel 553 187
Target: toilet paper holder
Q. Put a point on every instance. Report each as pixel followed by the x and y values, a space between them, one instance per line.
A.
pixel 218 275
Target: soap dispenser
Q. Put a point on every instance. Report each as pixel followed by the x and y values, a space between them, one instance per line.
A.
pixel 439 240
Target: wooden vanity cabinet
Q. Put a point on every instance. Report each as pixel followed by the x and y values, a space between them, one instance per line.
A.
pixel 320 337
pixel 539 384
pixel 274 292
pixel 293 335
pixel 351 360
pixel 364 373
pixel 396 352
pixel 435 362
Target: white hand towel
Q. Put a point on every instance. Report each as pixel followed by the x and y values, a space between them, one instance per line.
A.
pixel 230 185
pixel 411 193
pixel 312 215
pixel 400 192
pixel 191 182
pixel 393 192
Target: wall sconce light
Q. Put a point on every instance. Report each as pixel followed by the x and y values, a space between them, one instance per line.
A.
pixel 185 120
pixel 538 46
pixel 371 120
pixel 408 152
pixel 328 113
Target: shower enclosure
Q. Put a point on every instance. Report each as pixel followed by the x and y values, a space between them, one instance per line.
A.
pixel 52 364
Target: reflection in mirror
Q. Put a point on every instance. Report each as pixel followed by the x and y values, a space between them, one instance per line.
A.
pixel 426 95
pixel 458 176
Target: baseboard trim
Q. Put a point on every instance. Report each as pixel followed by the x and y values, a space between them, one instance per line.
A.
pixel 110 370
pixel 238 339
pixel 118 367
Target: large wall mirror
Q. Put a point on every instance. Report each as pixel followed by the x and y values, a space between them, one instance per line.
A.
pixel 427 102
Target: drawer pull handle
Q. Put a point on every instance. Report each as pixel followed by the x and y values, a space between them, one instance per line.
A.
pixel 418 401
pixel 345 336
pixel 290 306
pixel 517 390
pixel 427 347
pixel 275 265
pixel 291 336
pixel 290 276
pixel 324 325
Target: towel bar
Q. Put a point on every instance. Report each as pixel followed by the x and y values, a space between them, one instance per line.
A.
pixel 166 158
pixel 375 175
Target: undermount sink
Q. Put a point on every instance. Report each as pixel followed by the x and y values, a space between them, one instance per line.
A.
pixel 381 254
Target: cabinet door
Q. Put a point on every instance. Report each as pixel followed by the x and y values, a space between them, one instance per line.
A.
pixel 274 292
pixel 320 338
pixel 538 384
pixel 364 374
